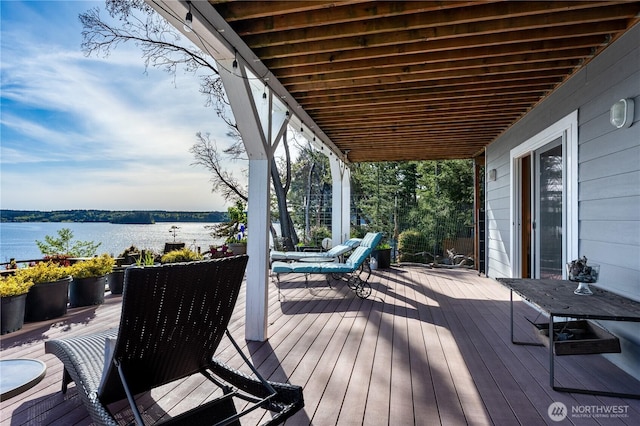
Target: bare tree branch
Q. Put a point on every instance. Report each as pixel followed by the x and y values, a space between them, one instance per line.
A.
pixel 163 47
pixel 206 153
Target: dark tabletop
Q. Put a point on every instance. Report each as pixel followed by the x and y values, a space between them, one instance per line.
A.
pixel 556 297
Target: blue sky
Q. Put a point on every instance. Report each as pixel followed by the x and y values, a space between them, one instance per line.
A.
pixel 93 133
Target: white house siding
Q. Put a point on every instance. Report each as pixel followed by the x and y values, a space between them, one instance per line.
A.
pixel 608 178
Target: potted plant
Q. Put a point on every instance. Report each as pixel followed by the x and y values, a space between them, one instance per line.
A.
pixel 171 246
pixel 382 254
pixel 234 230
pixel 13 295
pixel 182 255
pixel 129 256
pixel 115 280
pixel 146 258
pixel 90 280
pixel 49 295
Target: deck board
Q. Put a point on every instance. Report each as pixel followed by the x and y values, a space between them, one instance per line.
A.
pixel 429 347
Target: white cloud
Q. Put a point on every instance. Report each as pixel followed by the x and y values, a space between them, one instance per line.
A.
pixel 99 133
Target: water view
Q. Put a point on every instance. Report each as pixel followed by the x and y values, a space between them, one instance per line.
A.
pixel 18 240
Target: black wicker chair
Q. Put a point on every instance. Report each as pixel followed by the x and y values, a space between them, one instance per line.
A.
pixel 173 319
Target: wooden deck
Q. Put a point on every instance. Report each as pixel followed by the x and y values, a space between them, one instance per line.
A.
pixel 430 346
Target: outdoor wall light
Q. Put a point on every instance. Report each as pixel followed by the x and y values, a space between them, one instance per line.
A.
pixel 621 113
pixel 188 20
pixel 493 175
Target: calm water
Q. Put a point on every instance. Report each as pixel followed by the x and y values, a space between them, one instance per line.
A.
pixel 18 240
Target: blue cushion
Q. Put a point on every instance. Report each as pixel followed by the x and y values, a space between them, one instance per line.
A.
pixel 352 263
pixel 310 268
pixel 334 252
pixel 371 239
pixel 352 242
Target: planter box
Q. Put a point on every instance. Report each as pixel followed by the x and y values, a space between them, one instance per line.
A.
pixel 238 248
pixel 12 313
pixel 579 338
pixel 383 256
pixel 173 246
pixel 87 291
pixel 47 300
pixel 115 280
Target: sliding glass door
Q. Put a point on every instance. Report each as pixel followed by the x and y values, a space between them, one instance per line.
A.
pixel 549 214
pixel 544 207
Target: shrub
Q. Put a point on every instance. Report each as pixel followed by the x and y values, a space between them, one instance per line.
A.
pixel 317 234
pixel 44 272
pixel 411 246
pixel 64 244
pixel 14 285
pixel 182 255
pixel 94 267
pixel 145 258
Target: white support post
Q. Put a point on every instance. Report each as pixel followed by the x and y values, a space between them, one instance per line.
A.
pixel 341 200
pixel 258 249
pixel 260 153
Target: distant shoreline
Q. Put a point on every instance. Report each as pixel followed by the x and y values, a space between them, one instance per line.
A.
pixel 111 216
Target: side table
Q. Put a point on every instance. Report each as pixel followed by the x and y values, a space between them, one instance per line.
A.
pixel 18 375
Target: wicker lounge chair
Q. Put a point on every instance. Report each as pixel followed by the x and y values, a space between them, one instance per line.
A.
pixel 173 319
pixel 334 253
pixel 355 270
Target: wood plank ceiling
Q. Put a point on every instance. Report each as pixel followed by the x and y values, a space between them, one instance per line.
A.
pixel 415 80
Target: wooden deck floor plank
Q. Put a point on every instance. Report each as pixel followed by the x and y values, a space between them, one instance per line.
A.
pixel 425 407
pixel 328 409
pixel 359 388
pixel 434 337
pixel 315 372
pixel 456 392
pixel 378 398
pixel 468 358
pixel 488 347
pixel 401 398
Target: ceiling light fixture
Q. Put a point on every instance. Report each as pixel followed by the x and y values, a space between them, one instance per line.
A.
pixel 235 59
pixel 188 20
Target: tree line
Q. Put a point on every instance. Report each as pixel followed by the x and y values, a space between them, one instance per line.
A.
pixel 125 216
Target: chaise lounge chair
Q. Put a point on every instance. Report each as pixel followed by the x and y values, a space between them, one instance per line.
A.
pixel 350 271
pixel 173 319
pixel 334 253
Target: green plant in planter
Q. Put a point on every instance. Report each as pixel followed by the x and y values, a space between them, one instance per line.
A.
pixel 382 254
pixel 13 295
pixel 90 280
pixel 146 258
pixel 44 272
pixel 182 255
pixel 94 267
pixel 235 230
pixel 129 255
pixel 14 285
pixel 49 295
pixel 64 244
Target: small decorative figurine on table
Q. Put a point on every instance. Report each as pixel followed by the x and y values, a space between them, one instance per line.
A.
pixel 578 271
